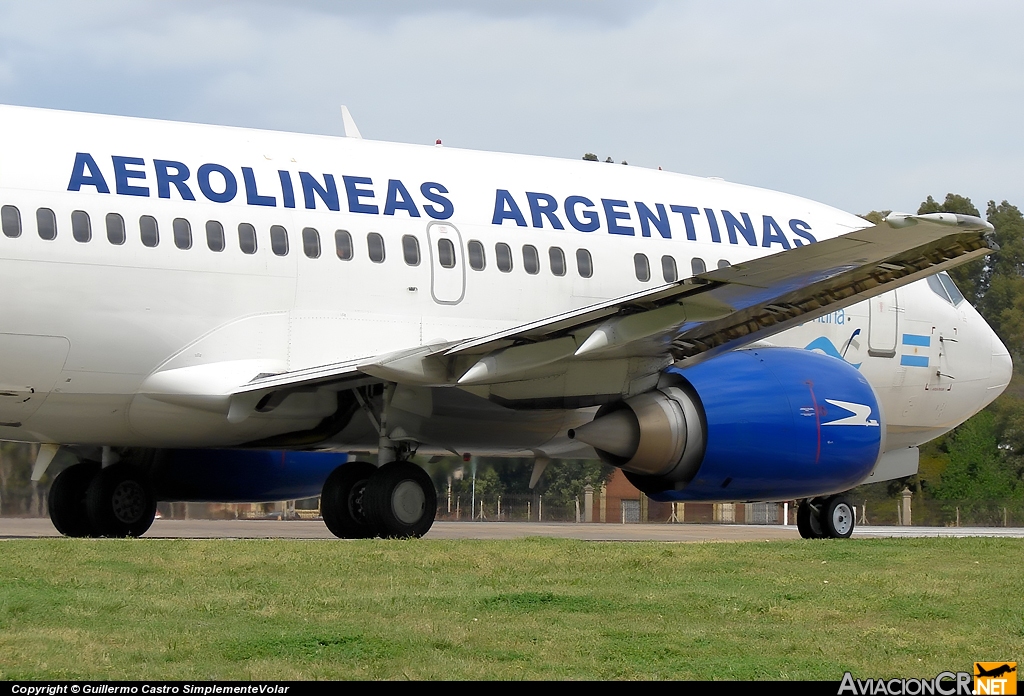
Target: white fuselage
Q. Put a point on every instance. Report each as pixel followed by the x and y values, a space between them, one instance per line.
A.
pixel 85 323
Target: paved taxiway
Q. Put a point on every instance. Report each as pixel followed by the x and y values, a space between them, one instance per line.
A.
pixel 23 528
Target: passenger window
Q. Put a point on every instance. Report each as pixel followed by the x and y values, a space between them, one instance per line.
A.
pixel 697 266
pixel 411 250
pixel 149 231
pixel 503 257
pixel 81 226
pixel 115 229
pixel 642 267
pixel 214 235
pixel 584 263
pixel 722 263
pixel 247 238
pixel 531 259
pixel 446 253
pixel 46 223
pixel 182 233
pixel 311 242
pixel 10 220
pixel 375 243
pixel 557 259
pixel 668 269
pixel 343 244
pixel 477 261
pixel 278 240
pixel 954 292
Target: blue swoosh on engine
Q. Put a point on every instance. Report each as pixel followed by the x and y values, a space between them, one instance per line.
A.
pixel 828 348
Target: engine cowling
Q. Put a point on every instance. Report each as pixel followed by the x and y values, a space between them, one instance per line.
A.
pixel 757 424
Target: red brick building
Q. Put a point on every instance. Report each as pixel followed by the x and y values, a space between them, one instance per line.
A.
pixel 620 502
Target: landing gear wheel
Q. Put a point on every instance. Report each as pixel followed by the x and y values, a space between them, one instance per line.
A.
pixel 400 500
pixel 66 499
pixel 837 519
pixel 341 502
pixel 808 519
pixel 119 502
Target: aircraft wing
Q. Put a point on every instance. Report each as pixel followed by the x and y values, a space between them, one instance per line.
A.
pixel 727 308
pixel 690 320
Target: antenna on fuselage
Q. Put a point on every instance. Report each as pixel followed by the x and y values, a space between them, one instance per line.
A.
pixel 349 124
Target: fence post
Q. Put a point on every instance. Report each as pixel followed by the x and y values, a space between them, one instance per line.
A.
pixel 472 497
pixel 588 503
pixel 906 507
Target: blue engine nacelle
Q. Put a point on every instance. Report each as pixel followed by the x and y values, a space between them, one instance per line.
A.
pixel 241 476
pixel 756 424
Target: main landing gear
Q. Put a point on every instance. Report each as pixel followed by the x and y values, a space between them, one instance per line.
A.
pixel 397 500
pixel 86 500
pixel 821 518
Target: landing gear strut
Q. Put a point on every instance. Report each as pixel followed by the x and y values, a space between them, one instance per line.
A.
pixel 820 518
pixel 397 500
pixel 88 501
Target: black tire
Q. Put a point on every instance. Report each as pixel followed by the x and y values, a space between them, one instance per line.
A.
pixel 120 502
pixel 837 518
pixel 66 500
pixel 808 521
pixel 400 500
pixel 341 502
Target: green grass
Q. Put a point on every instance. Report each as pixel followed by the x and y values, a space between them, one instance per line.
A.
pixel 534 608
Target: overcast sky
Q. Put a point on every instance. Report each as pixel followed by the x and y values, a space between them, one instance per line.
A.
pixel 863 105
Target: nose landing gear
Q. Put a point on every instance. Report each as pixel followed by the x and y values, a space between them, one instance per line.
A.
pixel 821 518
